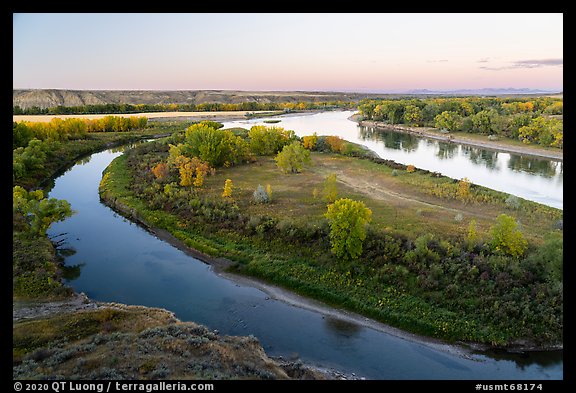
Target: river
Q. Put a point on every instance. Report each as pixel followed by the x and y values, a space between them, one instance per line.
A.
pixel 121 262
pixel 536 179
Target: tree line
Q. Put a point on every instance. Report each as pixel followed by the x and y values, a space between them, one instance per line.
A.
pixel 203 107
pixel 531 120
pixel 59 129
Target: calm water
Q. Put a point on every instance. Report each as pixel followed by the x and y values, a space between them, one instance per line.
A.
pixel 538 180
pixel 121 262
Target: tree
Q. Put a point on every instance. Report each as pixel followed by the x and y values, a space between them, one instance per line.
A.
pixel 472 236
pixel 199 181
pixel 192 170
pixel 310 141
pixel 265 141
pixel 450 121
pixel 228 188
pixel 330 189
pixel 37 212
pixel 413 115
pixel 546 132
pixel 348 220
pixel 483 121
pixel 217 147
pixel 292 158
pixel 187 171
pixel 269 191
pixel 506 238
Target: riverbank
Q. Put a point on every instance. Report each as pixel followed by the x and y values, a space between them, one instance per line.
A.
pixel 119 341
pixel 464 139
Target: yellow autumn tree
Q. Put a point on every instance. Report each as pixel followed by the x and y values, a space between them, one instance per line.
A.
pixel 463 192
pixel 228 188
pixel 310 141
pixel 187 171
pixel 199 181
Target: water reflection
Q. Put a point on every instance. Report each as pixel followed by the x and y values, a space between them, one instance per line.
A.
pixel 484 158
pixel 449 151
pixel 72 272
pixel 446 151
pixel 391 140
pixel 523 360
pixel 342 328
pixel 84 160
pixel 541 167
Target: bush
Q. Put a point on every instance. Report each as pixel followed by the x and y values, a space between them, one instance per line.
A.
pixel 513 202
pixel 260 195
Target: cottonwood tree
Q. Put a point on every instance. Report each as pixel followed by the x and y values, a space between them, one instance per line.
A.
pixel 36 212
pixel 506 238
pixel 348 220
pixel 292 158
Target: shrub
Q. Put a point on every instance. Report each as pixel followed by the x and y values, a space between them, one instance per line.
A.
pixel 330 190
pixel 513 202
pixel 227 193
pixel 336 143
pixel 260 195
pixel 310 141
pixel 506 238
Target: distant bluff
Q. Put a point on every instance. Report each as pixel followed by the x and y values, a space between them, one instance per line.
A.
pixel 48 98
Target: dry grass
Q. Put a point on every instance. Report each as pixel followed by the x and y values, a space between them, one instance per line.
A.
pixel 132 342
pixel 397 204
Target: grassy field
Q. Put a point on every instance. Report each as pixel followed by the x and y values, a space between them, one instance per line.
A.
pixel 399 202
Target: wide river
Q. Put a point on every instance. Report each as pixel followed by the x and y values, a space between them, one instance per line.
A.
pixel 121 262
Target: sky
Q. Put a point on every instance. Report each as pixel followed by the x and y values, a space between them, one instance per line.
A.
pixel 375 52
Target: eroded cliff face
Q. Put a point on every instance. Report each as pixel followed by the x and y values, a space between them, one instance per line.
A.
pixel 51 97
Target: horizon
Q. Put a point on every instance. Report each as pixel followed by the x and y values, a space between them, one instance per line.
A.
pixel 348 53
pixel 528 90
